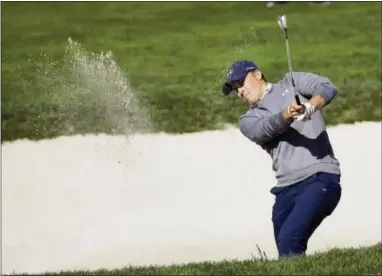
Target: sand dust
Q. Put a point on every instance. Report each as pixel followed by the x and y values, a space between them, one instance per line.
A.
pixel 98 201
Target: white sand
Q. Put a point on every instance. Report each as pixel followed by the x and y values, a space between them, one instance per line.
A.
pixel 96 201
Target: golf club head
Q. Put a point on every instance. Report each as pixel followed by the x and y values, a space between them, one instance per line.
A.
pixel 282 20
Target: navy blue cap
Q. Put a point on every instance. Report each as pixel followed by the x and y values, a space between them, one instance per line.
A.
pixel 236 72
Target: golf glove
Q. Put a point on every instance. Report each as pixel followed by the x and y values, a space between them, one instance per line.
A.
pixel 308 111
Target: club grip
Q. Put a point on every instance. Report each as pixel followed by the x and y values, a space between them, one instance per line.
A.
pixel 295 95
pixel 297 99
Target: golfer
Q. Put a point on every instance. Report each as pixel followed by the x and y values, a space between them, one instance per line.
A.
pixel 308 174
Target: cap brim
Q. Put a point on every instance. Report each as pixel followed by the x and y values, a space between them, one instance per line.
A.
pixel 227 88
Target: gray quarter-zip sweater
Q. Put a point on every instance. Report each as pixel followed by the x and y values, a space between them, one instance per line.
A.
pixel 298 149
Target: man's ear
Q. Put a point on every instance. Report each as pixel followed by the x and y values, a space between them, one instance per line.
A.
pixel 258 74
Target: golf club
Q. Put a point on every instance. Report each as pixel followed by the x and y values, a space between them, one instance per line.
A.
pixel 283 25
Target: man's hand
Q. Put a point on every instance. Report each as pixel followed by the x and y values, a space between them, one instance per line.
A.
pixel 292 111
pixel 307 112
pixel 303 112
pixel 315 103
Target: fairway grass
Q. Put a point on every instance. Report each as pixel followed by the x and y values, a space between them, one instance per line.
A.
pixel 174 57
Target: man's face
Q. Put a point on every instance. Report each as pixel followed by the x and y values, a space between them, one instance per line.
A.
pixel 249 88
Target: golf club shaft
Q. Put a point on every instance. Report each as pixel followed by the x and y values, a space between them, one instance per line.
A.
pixel 290 68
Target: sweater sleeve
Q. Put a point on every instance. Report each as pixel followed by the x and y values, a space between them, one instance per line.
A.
pixel 262 129
pixel 309 84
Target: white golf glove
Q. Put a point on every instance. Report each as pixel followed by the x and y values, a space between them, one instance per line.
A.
pixel 308 111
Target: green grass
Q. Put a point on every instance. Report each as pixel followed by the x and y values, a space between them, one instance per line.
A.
pixel 350 261
pixel 174 56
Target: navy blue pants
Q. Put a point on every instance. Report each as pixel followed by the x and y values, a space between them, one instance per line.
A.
pixel 300 208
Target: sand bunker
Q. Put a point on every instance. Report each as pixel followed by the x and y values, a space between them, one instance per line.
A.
pixel 98 201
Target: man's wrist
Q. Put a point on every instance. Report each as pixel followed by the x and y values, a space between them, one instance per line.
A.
pixel 317 101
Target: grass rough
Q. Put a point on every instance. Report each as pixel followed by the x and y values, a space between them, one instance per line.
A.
pixel 349 261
